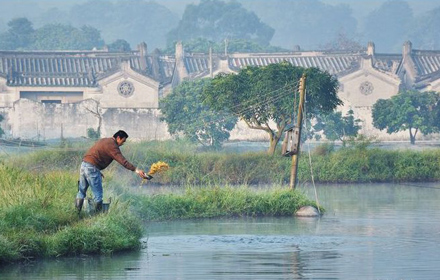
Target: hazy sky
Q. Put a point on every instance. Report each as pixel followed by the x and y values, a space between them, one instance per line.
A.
pixel 33 8
pixel 14 8
pixel 360 7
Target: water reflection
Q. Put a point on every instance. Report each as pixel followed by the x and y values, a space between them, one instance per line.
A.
pixel 368 232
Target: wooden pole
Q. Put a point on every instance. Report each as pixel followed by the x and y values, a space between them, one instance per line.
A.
pixel 295 157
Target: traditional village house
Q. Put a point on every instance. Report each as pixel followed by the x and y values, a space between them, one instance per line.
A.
pixel 62 94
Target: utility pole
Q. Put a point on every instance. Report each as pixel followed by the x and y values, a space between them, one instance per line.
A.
pixel 295 157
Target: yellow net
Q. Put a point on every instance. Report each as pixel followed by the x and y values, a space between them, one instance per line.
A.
pixel 159 166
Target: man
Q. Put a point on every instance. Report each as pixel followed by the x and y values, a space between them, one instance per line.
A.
pixel 97 158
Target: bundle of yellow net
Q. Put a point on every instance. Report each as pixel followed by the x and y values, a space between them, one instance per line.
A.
pixel 159 166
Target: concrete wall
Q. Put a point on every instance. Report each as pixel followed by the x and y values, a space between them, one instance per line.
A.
pixel 138 123
pixel 28 119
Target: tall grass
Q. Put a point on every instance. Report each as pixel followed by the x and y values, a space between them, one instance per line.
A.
pixel 38 219
pixel 216 201
pixel 190 165
pixel 37 216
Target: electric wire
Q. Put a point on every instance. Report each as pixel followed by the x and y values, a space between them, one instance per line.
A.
pixel 268 97
pixel 272 96
pixel 310 156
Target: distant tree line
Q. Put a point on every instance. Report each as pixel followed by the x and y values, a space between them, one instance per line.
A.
pixel 246 25
pixel 22 36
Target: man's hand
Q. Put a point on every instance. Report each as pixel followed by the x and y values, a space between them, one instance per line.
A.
pixel 143 175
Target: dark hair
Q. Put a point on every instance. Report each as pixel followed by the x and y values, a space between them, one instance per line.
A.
pixel 121 134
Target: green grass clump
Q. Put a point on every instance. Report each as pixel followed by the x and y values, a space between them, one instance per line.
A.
pixel 210 202
pixel 38 219
pixel 353 165
pixel 49 159
pixel 192 166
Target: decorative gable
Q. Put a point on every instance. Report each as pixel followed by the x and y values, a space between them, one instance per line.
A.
pixel 127 89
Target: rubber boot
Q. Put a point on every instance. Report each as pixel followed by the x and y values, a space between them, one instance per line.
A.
pixel 79 204
pixel 98 207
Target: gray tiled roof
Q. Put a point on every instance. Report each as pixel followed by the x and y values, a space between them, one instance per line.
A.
pixel 427 62
pixel 334 64
pixel 86 68
pixel 196 64
pixel 387 62
pixel 73 68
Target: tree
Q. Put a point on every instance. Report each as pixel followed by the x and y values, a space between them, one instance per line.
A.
pixel 119 45
pixel 336 127
pixel 202 45
pixel 135 20
pixel 425 32
pixel 263 97
pixel 408 110
pixel 343 43
pixel 216 20
pixel 307 23
pixel 388 25
pixel 184 113
pixel 18 36
pixel 67 37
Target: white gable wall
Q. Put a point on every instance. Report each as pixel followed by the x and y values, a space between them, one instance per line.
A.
pixel 145 93
pixel 361 89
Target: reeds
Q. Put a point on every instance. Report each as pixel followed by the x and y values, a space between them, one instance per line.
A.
pixel 216 201
pixel 38 219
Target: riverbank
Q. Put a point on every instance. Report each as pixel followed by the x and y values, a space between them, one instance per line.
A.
pixel 360 162
pixel 38 219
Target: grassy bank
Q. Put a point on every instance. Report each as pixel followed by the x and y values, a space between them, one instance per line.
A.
pixel 215 201
pixel 37 216
pixel 191 166
pixel 37 219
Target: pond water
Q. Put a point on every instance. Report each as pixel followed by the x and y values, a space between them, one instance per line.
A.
pixel 373 231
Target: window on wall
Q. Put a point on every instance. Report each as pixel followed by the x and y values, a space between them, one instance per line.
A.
pixel 53 96
pixel 51 101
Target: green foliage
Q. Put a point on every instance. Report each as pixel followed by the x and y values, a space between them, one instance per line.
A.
pixel 210 202
pixel 408 110
pixel 184 113
pixel 217 20
pixel 337 127
pixel 343 42
pixel 37 219
pixel 136 21
pixel 305 23
pixel 18 36
pixel 66 37
pixel 424 31
pixel 202 45
pixel 54 159
pixel 262 95
pixel 357 162
pixel 393 19
pixel 119 45
pixel 93 133
pixel 21 36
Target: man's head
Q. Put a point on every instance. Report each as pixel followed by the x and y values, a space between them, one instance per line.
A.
pixel 120 137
